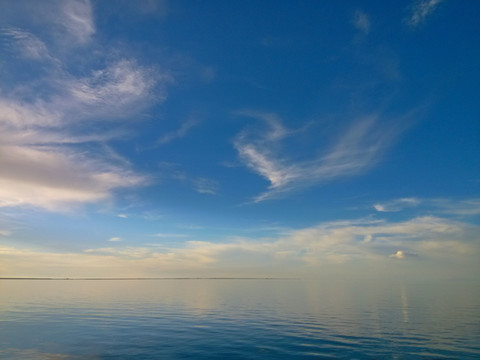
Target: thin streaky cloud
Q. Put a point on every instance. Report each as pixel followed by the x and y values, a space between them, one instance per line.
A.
pixel 460 208
pixel 77 18
pixel 205 186
pixel 116 91
pixel 360 147
pixel 468 207
pixel 396 205
pixel 27 45
pixel 169 235
pixel 179 133
pixel 199 184
pixel 421 10
pixel 115 239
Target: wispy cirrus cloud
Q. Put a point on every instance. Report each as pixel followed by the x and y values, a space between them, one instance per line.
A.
pixel 396 205
pixel 41 168
pixel 53 158
pixel 179 133
pixel 357 149
pixel 25 43
pixel 116 91
pixel 361 21
pixel 461 208
pixel 420 10
pixel 76 17
pixel 468 207
pixel 199 184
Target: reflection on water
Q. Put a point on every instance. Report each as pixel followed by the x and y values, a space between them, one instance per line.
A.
pixel 244 319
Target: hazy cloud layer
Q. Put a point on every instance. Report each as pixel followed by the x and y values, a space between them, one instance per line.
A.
pixel 420 239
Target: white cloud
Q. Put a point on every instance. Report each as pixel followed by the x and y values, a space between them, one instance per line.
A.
pixel 77 18
pixel 28 45
pixel 421 9
pixel 205 186
pixel 45 124
pixel 178 134
pixel 168 235
pixel 199 184
pixel 115 239
pixel 370 242
pixel 116 91
pixel 357 149
pixel 41 168
pixel 361 21
pixel 18 115
pixel 398 255
pixel 396 205
pixel 57 179
pixel 461 208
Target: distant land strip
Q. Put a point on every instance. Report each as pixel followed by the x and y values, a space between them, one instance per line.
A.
pixel 149 278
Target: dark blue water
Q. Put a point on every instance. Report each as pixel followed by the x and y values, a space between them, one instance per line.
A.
pixel 237 319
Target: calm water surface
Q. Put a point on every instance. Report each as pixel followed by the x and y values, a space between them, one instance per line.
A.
pixel 237 319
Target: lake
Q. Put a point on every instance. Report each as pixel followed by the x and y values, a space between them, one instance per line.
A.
pixel 238 319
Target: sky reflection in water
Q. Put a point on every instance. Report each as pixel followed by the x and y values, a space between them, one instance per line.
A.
pixel 148 319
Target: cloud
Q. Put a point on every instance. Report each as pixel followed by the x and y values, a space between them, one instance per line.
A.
pixel 461 208
pixel 168 235
pixel 356 150
pixel 28 45
pixel 199 184
pixel 178 134
pixel 116 91
pixel 55 180
pixel 77 19
pixel 467 207
pixel 398 255
pixel 53 127
pixel 361 21
pixel 205 186
pixel 42 168
pixel 396 205
pixel 115 239
pixel 428 239
pixel 421 9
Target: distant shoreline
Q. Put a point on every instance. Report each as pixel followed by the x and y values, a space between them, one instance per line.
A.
pixel 155 278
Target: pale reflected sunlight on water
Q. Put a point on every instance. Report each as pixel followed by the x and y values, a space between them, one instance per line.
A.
pixel 242 319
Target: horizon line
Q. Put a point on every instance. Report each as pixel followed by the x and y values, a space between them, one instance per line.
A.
pixel 147 278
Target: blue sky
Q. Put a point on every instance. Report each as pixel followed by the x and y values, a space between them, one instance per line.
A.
pixel 239 138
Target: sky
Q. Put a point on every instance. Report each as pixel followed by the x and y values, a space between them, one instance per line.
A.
pixel 284 138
